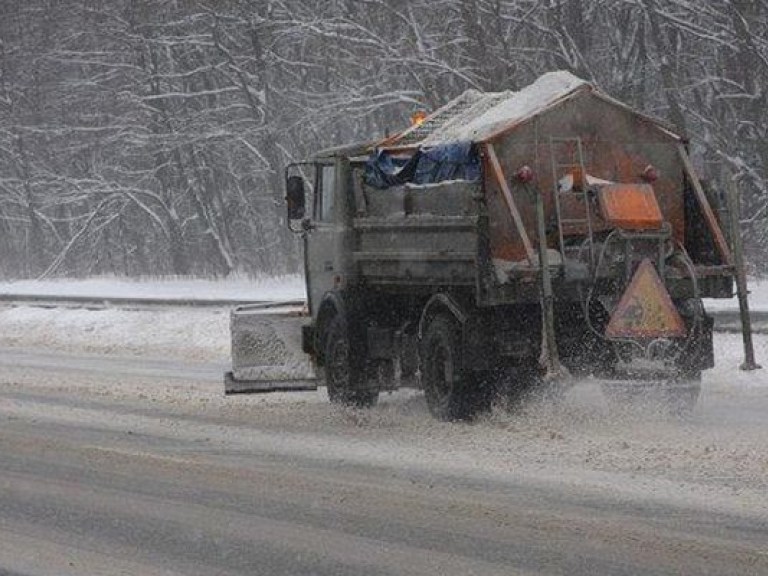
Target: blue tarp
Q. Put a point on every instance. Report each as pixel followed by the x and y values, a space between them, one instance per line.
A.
pixel 458 161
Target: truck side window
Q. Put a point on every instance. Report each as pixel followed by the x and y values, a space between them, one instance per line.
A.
pixel 324 203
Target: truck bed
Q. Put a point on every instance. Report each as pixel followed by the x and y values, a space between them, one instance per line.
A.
pixel 419 234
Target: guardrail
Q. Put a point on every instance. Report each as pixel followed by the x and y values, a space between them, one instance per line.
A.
pixel 730 321
pixel 103 302
pixel 725 320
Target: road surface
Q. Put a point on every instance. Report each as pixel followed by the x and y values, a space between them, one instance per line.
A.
pixel 131 466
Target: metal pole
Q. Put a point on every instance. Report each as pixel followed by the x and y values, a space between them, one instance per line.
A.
pixel 741 280
pixel 552 359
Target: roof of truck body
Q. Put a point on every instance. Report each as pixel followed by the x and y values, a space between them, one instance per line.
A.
pixel 484 116
pixel 347 150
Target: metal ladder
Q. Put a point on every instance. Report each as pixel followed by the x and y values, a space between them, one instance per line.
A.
pixel 560 168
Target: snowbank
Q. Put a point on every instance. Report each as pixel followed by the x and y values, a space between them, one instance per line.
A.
pixel 189 334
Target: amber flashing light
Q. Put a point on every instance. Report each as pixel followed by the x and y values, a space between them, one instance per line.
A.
pixel 418 117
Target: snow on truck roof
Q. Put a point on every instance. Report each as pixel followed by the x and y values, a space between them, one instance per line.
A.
pixel 477 116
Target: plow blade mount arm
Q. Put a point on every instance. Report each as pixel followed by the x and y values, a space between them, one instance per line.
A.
pixel 266 350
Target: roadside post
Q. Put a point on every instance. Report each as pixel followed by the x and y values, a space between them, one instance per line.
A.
pixel 737 246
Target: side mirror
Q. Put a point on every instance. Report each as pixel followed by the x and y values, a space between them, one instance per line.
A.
pixel 295 197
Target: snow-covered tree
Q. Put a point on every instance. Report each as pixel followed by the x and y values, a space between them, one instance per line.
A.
pixel 149 136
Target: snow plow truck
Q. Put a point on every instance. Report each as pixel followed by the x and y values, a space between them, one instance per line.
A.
pixel 503 236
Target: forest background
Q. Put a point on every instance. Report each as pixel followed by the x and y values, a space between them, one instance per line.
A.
pixel 148 137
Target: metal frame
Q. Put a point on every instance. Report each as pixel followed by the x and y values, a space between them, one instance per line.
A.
pixel 514 211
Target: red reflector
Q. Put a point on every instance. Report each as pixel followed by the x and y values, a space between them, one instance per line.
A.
pixel 650 174
pixel 646 310
pixel 524 174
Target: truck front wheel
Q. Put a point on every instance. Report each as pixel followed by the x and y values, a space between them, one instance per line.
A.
pixel 345 376
pixel 450 389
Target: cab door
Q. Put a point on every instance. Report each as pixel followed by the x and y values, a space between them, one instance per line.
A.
pixel 321 239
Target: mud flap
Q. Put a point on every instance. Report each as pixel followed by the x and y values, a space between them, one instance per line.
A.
pixel 267 353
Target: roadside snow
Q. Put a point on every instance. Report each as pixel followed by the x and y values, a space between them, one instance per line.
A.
pixel 729 355
pixel 758 298
pixel 238 288
pixel 188 333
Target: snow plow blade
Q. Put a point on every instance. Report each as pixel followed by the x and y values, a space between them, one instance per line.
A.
pixel 266 350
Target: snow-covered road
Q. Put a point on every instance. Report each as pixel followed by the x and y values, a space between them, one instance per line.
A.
pixel 119 451
pixel 140 465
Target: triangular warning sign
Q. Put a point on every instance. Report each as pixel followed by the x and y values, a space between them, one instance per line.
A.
pixel 645 310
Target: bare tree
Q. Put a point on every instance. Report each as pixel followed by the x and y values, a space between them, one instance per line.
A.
pixel 149 136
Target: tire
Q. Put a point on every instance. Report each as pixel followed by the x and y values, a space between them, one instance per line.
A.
pixel 345 370
pixel 450 390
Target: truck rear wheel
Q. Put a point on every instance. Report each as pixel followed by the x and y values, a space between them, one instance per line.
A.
pixel 451 390
pixel 345 375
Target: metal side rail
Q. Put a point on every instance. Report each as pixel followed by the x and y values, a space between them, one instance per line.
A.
pixel 730 321
pixel 133 303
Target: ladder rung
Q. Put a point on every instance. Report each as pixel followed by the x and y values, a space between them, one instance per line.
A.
pixel 564 161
